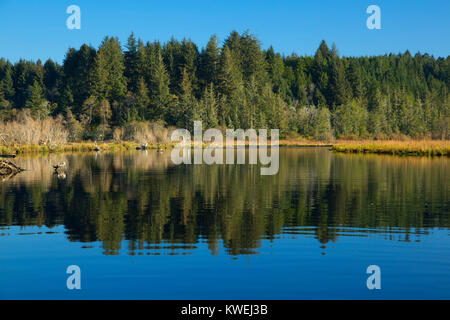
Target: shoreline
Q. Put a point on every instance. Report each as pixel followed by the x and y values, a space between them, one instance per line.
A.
pixel 395 147
pixel 391 147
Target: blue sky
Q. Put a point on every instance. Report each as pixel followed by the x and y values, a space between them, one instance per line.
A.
pixel 36 29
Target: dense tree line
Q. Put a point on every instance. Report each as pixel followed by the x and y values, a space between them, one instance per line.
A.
pixel 236 85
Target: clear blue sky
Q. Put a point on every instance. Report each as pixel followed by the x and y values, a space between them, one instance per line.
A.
pixel 36 29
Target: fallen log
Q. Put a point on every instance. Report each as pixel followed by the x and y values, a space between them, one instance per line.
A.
pixel 4 177
pixel 7 167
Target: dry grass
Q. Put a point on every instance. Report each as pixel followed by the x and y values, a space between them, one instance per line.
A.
pixel 396 147
pixel 27 135
pixel 143 132
pixel 123 146
pixel 109 146
pixel 30 136
pixel 26 130
pixel 68 147
pixel 304 143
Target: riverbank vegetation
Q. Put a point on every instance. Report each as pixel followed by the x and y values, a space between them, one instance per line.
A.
pixel 395 147
pixel 136 93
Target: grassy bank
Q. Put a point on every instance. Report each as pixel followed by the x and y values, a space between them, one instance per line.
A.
pixel 413 147
pixel 69 147
pixel 124 146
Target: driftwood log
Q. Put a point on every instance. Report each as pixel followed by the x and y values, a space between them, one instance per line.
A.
pixel 4 177
pixel 7 168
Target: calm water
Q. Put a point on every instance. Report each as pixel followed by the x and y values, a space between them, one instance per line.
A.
pixel 140 227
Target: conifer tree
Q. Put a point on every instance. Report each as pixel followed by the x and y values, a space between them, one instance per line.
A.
pixel 276 69
pixel 109 80
pixel 142 98
pixel 209 63
pixel 183 110
pixel 77 77
pixel 132 65
pixel 37 103
pixel 208 107
pixel 6 80
pixel 160 97
pixel 231 89
pixel 337 89
pixel 354 78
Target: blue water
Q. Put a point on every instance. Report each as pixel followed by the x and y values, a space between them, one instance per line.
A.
pixel 296 261
pixel 291 267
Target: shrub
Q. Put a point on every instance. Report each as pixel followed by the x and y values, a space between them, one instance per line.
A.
pixel 26 130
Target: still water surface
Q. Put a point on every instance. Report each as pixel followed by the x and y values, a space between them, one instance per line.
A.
pixel 140 227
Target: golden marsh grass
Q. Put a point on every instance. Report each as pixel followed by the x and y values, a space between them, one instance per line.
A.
pixel 396 147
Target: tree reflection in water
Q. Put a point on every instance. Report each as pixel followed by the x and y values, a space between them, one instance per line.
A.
pixel 141 203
